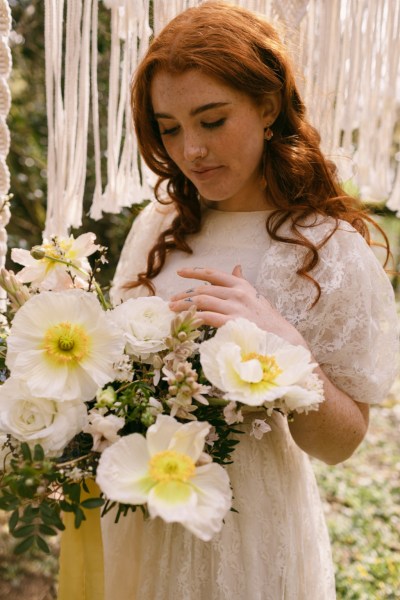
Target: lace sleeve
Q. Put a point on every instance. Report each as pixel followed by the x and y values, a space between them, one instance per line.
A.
pixel 145 230
pixel 352 331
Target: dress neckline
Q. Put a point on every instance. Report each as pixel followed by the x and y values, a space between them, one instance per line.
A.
pixel 215 211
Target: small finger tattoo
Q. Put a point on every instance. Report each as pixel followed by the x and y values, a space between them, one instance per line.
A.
pixel 188 300
pixel 189 291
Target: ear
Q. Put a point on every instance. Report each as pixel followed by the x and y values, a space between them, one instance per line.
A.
pixel 271 106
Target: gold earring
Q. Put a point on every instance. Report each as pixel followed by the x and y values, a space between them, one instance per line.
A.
pixel 268 133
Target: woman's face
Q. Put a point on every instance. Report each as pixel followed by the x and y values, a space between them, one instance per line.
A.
pixel 215 135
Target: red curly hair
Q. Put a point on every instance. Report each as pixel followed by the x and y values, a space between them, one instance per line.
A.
pixel 242 50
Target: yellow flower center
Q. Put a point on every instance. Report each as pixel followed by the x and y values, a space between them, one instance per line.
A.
pixel 268 364
pixel 171 466
pixel 61 250
pixel 66 343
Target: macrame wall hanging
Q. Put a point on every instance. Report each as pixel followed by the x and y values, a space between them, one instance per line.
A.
pixel 5 103
pixel 347 54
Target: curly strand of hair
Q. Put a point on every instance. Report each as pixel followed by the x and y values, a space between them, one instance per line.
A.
pixel 185 198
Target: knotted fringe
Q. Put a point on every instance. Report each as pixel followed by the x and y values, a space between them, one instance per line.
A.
pixel 347 55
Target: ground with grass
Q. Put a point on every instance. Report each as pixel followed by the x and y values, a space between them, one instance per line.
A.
pixel 362 503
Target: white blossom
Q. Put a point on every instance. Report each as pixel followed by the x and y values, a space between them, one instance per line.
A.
pixel 39 420
pixel 64 345
pixel 103 429
pixel 259 427
pixel 162 471
pixel 48 274
pixel 255 367
pixel 146 323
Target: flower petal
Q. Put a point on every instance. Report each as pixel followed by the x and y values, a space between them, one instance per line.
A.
pixel 214 501
pixel 122 472
pixel 190 438
pixel 173 501
pixel 159 435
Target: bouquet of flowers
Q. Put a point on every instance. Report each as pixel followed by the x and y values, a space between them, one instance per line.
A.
pixel 146 402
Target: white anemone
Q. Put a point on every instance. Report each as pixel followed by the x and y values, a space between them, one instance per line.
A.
pixel 64 345
pixel 47 274
pixel 146 323
pixel 161 470
pixel 39 420
pixel 255 367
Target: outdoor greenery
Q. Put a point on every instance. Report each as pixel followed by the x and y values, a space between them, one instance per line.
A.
pixel 361 497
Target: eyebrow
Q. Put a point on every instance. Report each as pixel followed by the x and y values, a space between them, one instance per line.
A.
pixel 194 111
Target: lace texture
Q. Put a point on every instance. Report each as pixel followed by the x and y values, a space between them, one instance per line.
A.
pixel 276 546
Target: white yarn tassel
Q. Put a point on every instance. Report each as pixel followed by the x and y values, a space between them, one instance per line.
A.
pixel 67 111
pixel 126 184
pixel 351 59
pixel 5 103
pixel 349 52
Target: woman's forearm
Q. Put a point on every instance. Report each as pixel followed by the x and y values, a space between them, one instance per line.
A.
pixel 332 433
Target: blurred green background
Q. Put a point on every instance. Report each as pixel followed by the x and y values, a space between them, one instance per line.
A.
pixel 361 497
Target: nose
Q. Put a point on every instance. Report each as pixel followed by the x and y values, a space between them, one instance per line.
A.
pixel 193 148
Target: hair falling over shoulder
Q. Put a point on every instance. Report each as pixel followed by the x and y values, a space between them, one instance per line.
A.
pixel 242 50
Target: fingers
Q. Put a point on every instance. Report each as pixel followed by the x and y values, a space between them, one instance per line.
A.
pixel 213 319
pixel 208 290
pixel 237 271
pixel 213 276
pixel 202 302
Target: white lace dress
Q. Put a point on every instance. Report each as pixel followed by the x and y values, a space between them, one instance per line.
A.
pixel 276 546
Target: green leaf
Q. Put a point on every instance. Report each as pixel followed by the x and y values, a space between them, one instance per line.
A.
pixel 26 452
pixel 38 453
pixel 24 531
pixel 42 545
pixel 30 513
pixel 66 506
pixel 24 545
pixel 13 521
pixel 46 530
pixel 93 503
pixel 79 517
pixel 73 491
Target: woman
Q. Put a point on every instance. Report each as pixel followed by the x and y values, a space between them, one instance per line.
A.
pixel 251 222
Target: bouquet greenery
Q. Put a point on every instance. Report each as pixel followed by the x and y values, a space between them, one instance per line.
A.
pixel 147 402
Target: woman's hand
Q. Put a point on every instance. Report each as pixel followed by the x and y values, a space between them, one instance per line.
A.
pixel 334 431
pixel 223 296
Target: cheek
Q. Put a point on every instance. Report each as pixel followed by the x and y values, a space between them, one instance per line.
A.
pixel 172 149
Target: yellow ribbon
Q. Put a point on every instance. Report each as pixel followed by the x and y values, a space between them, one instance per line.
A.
pixel 81 556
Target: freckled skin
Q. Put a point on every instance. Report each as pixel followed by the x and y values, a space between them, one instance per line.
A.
pixel 229 136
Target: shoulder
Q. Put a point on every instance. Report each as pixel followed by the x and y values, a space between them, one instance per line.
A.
pixel 337 242
pixel 146 228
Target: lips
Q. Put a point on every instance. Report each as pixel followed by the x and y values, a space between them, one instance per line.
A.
pixel 205 172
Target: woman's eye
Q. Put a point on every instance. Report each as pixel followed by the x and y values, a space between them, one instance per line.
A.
pixel 169 131
pixel 214 124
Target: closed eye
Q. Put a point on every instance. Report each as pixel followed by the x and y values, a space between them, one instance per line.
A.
pixel 170 131
pixel 213 124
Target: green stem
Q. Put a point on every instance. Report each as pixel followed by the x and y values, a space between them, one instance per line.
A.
pixel 70 264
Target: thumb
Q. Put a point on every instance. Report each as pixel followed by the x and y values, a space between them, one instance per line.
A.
pixel 237 271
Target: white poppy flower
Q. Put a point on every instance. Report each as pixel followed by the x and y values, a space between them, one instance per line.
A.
pixel 47 274
pixel 161 470
pixel 39 420
pixel 146 323
pixel 64 345
pixel 255 367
